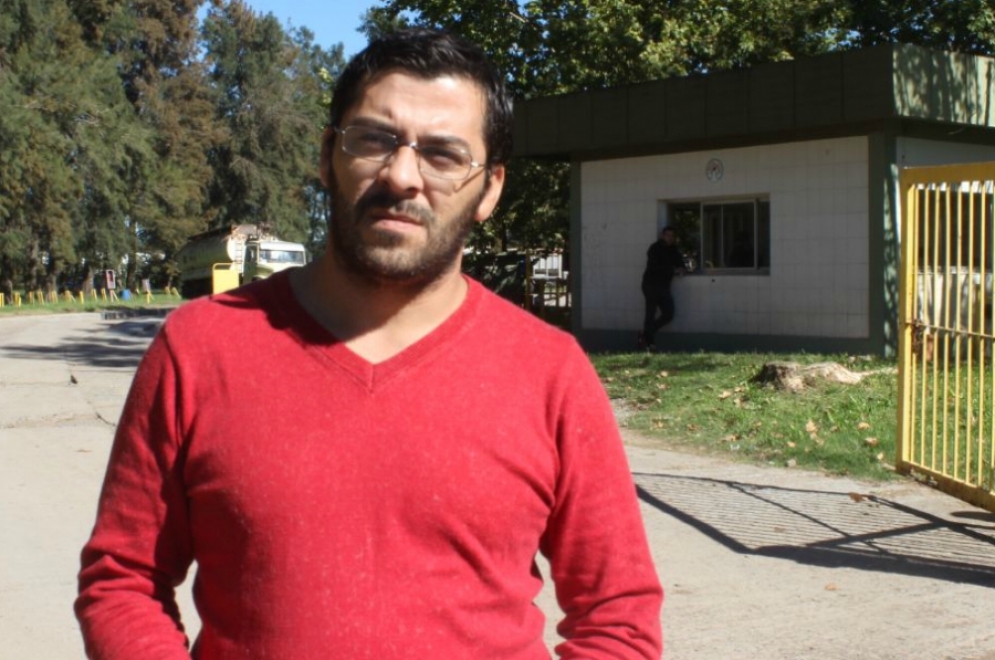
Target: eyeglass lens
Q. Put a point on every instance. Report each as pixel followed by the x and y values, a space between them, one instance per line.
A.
pixel 439 160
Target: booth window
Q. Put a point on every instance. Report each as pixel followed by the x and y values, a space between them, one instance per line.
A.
pixel 723 235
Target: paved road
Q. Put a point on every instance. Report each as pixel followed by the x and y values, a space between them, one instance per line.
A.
pixel 757 562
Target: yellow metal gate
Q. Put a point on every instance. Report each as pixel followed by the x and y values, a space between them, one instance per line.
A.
pixel 946 420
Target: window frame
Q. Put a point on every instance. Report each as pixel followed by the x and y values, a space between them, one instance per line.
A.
pixel 688 217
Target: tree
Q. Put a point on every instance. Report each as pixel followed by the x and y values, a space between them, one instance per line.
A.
pixel 167 85
pixel 966 26
pixel 263 170
pixel 68 135
pixel 551 47
pixel 314 73
pixel 118 140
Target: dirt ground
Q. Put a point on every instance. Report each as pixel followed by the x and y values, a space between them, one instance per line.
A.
pixel 757 562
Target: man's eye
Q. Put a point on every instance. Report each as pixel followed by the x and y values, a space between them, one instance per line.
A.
pixel 374 142
pixel 443 157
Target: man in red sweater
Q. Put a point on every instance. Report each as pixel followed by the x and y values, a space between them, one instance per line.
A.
pixel 365 455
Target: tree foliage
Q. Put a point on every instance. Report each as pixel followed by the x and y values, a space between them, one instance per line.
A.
pixel 551 47
pixel 127 126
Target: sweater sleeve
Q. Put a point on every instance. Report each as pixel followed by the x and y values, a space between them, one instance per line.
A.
pixel 140 548
pixel 606 583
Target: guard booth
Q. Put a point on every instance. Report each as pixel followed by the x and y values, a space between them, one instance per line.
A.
pixel 946 422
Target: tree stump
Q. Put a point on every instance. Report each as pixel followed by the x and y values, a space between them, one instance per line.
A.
pixel 795 377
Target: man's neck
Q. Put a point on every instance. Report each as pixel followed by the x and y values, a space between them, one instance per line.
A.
pixel 375 320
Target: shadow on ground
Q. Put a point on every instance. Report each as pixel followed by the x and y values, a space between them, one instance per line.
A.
pixel 120 344
pixel 827 528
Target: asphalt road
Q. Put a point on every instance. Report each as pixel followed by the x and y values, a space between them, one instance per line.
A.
pixel 757 562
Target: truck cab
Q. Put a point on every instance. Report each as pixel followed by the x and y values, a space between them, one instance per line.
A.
pixel 263 258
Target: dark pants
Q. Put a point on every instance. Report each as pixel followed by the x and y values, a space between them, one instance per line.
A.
pixel 656 298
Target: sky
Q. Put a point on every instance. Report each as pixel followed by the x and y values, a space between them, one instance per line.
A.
pixel 331 21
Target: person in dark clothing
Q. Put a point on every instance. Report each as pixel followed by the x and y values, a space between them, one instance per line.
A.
pixel 663 261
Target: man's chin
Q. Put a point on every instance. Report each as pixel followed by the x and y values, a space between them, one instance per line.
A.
pixel 391 265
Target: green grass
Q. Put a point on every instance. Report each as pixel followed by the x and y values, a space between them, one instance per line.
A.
pixel 708 402
pixel 951 410
pixel 63 306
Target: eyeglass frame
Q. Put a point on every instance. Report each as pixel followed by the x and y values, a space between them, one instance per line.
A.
pixel 398 143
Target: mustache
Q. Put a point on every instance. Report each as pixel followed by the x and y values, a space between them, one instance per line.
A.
pixel 385 199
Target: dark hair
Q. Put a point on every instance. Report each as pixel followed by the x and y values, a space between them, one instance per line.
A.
pixel 429 54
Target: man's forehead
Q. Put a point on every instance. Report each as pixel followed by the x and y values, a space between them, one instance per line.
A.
pixel 403 100
pixel 427 84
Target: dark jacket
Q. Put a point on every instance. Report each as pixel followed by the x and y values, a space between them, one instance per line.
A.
pixel 662 261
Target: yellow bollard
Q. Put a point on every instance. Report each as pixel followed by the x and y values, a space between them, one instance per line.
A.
pixel 68 297
pixel 82 298
pixel 93 294
pixel 17 299
pixel 148 297
pixel 53 296
pixel 1 299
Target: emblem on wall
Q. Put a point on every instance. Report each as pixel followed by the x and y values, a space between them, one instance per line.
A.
pixel 714 170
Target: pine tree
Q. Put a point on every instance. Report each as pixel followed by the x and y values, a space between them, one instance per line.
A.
pixel 264 173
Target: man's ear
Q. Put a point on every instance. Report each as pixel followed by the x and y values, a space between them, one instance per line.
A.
pixel 492 193
pixel 325 163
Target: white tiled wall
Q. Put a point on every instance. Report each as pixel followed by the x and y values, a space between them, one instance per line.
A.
pixel 818 281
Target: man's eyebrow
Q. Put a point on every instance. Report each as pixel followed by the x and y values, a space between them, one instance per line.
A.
pixel 369 122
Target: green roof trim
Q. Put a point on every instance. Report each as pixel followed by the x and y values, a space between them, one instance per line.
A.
pixel 906 89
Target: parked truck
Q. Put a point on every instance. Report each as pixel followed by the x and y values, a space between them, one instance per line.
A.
pixel 223 258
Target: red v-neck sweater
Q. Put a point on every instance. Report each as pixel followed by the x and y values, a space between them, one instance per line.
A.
pixel 340 509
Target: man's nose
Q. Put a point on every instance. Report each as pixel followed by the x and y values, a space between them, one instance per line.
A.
pixel 402 171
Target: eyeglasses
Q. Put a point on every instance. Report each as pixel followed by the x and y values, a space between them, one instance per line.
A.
pixel 435 159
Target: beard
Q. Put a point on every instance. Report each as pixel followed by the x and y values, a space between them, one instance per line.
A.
pixel 384 257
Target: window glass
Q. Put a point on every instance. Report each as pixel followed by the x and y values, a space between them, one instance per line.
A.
pixel 686 221
pixel 283 256
pixel 722 235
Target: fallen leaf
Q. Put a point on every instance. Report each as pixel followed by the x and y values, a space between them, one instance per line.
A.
pixel 609 379
pixel 863 426
pixel 811 427
pixel 880 456
pixel 857 497
pixel 725 394
pixel 831 587
pixel 871 442
pixel 664 374
pixel 792 445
